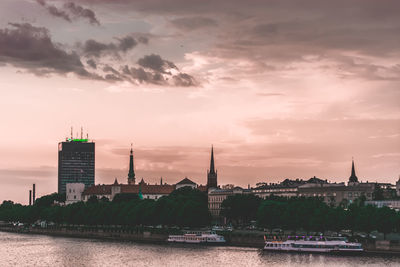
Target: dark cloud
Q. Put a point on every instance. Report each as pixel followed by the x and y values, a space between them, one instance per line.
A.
pixel 142 76
pixel 96 49
pixel 157 75
pixel 127 43
pixel 156 63
pixel 69 10
pixel 108 68
pixel 113 78
pixel 92 63
pixel 53 10
pixel 82 12
pixel 31 48
pixel 184 80
pixel 284 32
pixel 193 23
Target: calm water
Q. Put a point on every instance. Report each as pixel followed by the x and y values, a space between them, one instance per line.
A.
pixel 36 250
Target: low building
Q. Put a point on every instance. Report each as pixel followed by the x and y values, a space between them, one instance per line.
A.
pixel 287 188
pixel 148 191
pixel 335 194
pixel 74 192
pixel 216 196
pixel 186 182
pixel 393 204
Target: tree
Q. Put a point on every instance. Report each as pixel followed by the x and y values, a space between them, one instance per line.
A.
pixel 48 200
pixel 241 208
pixel 269 214
pixel 125 197
pixel 93 200
pixel 386 220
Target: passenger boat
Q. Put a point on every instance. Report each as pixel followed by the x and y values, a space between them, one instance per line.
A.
pixel 197 237
pixel 318 244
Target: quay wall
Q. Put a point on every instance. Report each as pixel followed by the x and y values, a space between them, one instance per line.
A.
pixel 109 234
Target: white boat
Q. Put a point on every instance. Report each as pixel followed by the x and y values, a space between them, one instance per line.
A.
pixel 197 237
pixel 317 244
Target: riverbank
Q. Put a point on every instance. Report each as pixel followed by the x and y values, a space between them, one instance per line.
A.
pixel 143 236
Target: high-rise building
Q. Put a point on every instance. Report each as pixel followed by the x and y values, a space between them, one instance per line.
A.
pixel 131 173
pixel 212 173
pixel 76 159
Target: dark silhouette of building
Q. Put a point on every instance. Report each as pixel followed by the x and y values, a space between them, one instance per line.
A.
pixel 212 173
pixel 33 193
pixel 30 197
pixel 353 178
pixel 76 163
pixel 131 173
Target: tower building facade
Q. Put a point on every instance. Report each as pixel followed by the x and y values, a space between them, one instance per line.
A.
pixel 131 173
pixel 76 163
pixel 212 173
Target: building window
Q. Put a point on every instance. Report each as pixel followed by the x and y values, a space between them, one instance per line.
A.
pixel 74 196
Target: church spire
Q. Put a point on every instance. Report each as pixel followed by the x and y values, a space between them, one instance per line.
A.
pixel 212 168
pixel 212 173
pixel 131 173
pixel 353 178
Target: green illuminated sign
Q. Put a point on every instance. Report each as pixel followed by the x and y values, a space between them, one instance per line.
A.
pixel 77 140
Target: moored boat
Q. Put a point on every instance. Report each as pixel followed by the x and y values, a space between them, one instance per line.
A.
pixel 317 244
pixel 196 237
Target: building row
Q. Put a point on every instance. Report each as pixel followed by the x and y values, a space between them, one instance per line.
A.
pixel 78 191
pixel 77 168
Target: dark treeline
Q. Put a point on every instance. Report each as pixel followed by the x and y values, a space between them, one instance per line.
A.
pixel 309 214
pixel 183 207
pixel 188 207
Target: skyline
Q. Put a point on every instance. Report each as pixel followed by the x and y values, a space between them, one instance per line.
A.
pixel 124 172
pixel 282 89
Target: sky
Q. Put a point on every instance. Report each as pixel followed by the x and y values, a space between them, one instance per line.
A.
pixel 281 89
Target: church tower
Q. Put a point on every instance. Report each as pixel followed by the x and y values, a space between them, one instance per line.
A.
pixel 131 173
pixel 353 178
pixel 212 173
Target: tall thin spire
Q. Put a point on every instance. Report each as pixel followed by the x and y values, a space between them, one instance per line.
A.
pixel 353 178
pixel 212 167
pixel 131 173
pixel 212 173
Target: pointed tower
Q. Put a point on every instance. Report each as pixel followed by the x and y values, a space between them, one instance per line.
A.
pixel 353 178
pixel 212 173
pixel 131 173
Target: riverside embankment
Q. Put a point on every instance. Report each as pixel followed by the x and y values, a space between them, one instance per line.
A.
pixel 160 236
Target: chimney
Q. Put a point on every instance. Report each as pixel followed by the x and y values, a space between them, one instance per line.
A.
pixel 30 197
pixel 33 194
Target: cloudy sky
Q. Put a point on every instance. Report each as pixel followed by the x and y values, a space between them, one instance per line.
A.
pixel 283 89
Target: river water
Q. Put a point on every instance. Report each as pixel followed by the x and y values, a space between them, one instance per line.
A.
pixel 39 250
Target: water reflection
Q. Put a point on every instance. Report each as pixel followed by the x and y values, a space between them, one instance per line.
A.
pixel 31 250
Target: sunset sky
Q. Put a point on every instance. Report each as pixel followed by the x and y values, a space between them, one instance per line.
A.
pixel 282 89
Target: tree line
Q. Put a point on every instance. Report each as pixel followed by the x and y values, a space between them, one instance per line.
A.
pixel 309 214
pixel 183 207
pixel 187 207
